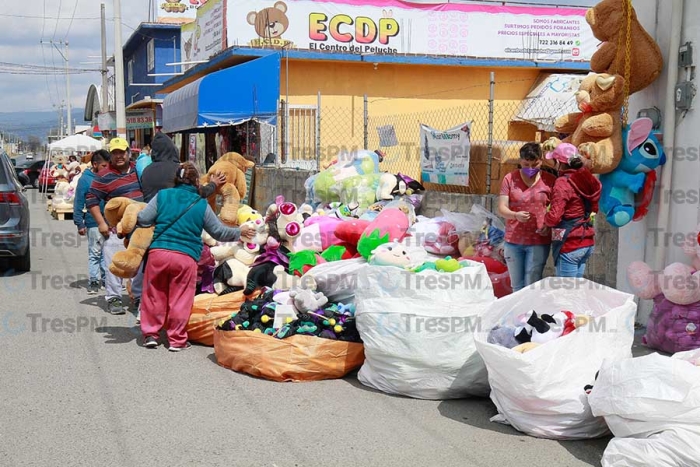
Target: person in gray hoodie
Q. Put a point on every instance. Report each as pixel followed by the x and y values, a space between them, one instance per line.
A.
pixel 161 173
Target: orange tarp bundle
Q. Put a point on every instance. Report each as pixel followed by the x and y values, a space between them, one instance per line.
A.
pixel 296 358
pixel 208 310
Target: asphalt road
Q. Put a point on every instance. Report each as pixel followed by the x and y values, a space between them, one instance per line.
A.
pixel 95 397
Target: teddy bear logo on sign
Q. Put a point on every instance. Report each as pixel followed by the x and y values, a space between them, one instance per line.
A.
pixel 270 23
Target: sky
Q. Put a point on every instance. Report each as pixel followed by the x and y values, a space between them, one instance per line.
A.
pixel 23 24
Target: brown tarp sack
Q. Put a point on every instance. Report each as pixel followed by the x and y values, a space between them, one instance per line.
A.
pixel 296 358
pixel 207 311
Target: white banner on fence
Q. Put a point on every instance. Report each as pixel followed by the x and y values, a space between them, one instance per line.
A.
pixel 445 155
pixel 205 37
pixel 395 27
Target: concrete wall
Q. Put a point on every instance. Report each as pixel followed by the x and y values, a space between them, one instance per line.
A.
pixel 639 241
pixel 270 182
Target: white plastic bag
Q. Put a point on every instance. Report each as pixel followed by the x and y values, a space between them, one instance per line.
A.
pixel 337 280
pixel 652 406
pixel 418 331
pixel 541 392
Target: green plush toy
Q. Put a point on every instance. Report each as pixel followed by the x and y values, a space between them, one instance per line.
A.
pixel 302 258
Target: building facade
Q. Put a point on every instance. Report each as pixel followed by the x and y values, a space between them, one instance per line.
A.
pixel 150 58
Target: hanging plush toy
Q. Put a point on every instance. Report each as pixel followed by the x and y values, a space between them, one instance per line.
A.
pixel 634 176
pixel 596 130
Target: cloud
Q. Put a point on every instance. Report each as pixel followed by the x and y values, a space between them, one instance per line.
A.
pixel 22 27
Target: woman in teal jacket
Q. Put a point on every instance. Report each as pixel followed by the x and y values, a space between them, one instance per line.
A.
pixel 179 215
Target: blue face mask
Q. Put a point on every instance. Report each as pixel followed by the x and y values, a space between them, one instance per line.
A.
pixel 530 172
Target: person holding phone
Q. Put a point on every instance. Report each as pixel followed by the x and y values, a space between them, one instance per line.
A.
pixel 523 201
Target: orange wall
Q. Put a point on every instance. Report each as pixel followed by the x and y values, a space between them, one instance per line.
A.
pixel 402 96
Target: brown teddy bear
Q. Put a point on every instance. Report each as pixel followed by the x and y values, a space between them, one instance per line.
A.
pixel 233 166
pixel 122 213
pixel 597 130
pixel 270 23
pixel 608 20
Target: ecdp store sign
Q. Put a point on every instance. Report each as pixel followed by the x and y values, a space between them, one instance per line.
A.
pixel 393 27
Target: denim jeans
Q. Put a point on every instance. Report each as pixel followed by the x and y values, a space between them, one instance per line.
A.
pixel 573 263
pixel 525 263
pixel 113 284
pixel 96 265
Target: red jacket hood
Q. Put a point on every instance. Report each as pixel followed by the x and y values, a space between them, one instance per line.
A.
pixel 584 183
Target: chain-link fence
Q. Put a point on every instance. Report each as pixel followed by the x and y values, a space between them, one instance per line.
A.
pixel 316 134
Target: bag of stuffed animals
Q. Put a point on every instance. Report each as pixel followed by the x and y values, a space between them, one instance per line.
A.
pixel 207 311
pixel 544 343
pixel 652 406
pixel 418 329
pixel 293 359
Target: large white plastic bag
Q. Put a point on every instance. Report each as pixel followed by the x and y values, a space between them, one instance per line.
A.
pixel 652 406
pixel 338 279
pixel 541 392
pixel 418 335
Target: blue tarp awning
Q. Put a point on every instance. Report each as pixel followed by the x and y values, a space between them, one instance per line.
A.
pixel 249 91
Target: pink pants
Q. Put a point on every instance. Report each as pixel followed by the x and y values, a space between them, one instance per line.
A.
pixel 171 279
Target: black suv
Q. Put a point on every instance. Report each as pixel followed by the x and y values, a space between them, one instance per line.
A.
pixel 28 172
pixel 14 217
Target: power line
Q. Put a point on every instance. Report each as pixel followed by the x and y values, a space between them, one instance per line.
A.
pixel 8 15
pixel 60 4
pixel 75 9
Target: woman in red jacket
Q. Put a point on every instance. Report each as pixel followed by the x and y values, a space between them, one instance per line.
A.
pixel 574 202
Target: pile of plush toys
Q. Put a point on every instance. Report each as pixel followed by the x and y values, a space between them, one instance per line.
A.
pixel 67 178
pixel 534 330
pixel 311 315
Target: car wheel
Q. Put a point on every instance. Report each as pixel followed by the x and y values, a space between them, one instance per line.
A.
pixel 23 263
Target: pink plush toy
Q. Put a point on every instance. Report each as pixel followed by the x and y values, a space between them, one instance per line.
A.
pixel 678 282
pixel 692 247
pixel 442 239
pixel 318 234
pixel 390 225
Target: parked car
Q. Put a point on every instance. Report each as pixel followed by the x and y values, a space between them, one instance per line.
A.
pixel 14 217
pixel 46 181
pixel 31 170
pixel 22 177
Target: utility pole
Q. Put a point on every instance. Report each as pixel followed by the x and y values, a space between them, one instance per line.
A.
pixel 119 70
pixel 105 85
pixel 70 113
pixel 65 58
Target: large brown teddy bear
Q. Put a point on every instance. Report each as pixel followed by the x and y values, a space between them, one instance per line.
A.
pixel 608 21
pixel 234 166
pixel 597 130
pixel 122 213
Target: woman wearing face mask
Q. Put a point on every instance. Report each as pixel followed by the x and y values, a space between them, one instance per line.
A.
pixel 574 203
pixel 523 203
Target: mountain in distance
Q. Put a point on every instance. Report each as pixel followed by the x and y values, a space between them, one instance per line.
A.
pixel 39 124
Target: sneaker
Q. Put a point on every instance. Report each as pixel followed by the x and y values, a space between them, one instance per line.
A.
pixel 150 342
pixel 115 306
pixel 138 316
pixel 177 349
pixel 102 285
pixel 93 288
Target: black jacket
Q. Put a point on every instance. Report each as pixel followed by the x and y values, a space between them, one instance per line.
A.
pixel 160 174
